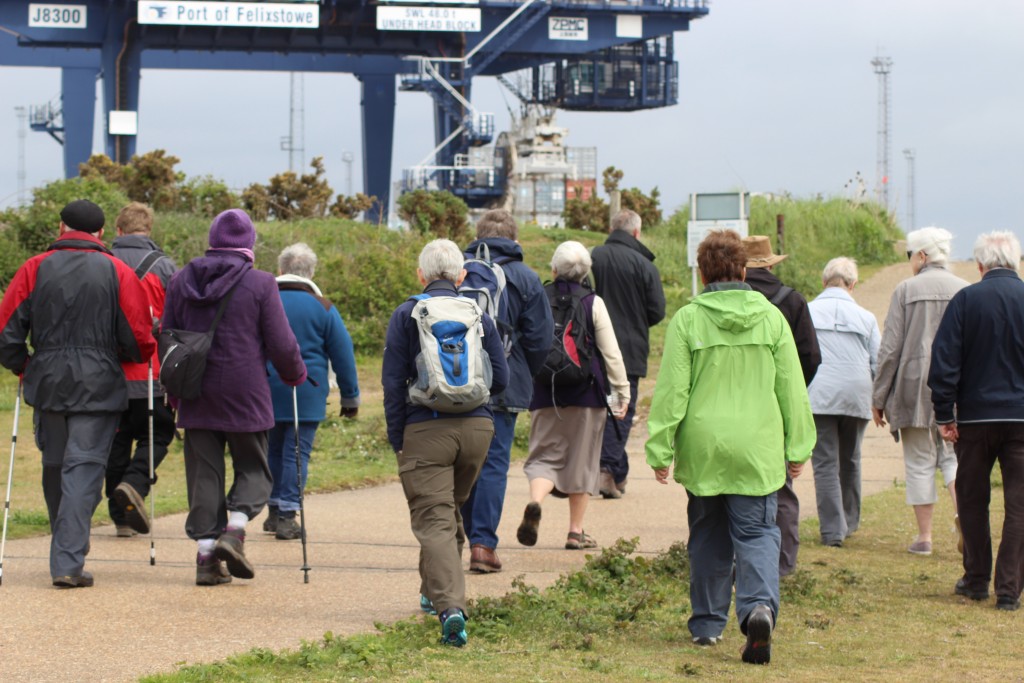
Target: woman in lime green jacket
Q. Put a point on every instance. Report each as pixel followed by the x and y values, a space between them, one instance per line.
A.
pixel 730 410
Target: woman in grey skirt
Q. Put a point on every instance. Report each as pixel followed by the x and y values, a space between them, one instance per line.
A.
pixel 567 420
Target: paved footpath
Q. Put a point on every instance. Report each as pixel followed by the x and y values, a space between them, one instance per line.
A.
pixel 141 619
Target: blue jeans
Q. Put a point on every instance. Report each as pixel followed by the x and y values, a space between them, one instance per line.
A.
pixel 726 529
pixel 613 450
pixel 481 512
pixel 281 458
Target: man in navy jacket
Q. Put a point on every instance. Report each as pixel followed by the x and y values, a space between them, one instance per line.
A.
pixel 532 328
pixel 977 383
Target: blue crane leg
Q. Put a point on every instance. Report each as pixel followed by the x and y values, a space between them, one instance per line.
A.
pixel 78 101
pixel 121 59
pixel 378 105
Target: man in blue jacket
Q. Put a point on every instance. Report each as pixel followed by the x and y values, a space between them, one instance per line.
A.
pixel 439 453
pixel 531 328
pixel 977 383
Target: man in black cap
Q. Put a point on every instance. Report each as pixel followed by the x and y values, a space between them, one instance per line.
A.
pixel 64 299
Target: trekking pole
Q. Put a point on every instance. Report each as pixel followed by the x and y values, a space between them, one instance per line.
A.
pixel 10 477
pixel 298 478
pixel 152 473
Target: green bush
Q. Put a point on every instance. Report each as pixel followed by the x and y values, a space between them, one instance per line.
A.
pixel 817 230
pixel 364 270
pixel 36 226
pixel 440 214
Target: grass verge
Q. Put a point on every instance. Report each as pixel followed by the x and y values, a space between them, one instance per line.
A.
pixel 867 611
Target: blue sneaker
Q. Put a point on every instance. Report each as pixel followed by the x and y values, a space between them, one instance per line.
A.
pixel 426 605
pixel 453 628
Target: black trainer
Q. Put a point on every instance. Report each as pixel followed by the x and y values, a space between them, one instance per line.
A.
pixel 966 591
pixel 1007 604
pixel 270 523
pixel 527 531
pixel 758 649
pixel 231 549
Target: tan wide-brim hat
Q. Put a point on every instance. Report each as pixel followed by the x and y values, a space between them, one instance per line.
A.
pixel 759 252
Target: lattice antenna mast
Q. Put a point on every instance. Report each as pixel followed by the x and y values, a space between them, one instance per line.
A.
pixel 883 65
pixel 295 141
pixel 22 114
pixel 911 218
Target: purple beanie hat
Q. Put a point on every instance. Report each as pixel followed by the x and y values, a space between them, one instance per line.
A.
pixel 232 229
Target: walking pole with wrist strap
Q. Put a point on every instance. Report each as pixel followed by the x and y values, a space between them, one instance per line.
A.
pixel 10 477
pixel 298 478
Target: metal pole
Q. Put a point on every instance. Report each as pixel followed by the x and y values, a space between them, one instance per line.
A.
pixel 10 477
pixel 152 469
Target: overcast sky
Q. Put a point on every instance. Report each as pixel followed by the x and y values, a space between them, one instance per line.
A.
pixel 774 96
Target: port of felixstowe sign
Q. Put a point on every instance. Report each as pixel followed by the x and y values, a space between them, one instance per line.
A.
pixel 433 18
pixel 247 14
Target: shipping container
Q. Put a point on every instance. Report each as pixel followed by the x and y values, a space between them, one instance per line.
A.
pixel 580 189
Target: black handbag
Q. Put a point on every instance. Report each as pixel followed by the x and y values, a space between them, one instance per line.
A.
pixel 183 356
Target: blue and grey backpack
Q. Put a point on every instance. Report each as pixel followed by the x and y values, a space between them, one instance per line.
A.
pixel 453 371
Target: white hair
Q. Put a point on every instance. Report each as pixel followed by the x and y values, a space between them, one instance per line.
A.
pixel 297 259
pixel 441 260
pixel 839 272
pixel 999 249
pixel 934 242
pixel 571 261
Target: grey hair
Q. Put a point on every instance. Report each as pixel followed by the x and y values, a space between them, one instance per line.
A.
pixel 497 223
pixel 934 242
pixel 840 272
pixel 999 249
pixel 297 259
pixel 626 220
pixel 571 261
pixel 441 260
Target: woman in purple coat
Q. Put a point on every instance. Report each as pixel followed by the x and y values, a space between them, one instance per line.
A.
pixel 234 408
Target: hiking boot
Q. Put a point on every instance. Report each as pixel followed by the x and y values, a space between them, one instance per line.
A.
pixel 83 580
pixel 579 541
pixel 453 628
pixel 231 549
pixel 527 532
pixel 288 529
pixel 1007 604
pixel 426 605
pixel 483 560
pixel 607 487
pixel 210 571
pixel 125 531
pixel 963 589
pixel 758 649
pixel 621 486
pixel 270 523
pixel 133 506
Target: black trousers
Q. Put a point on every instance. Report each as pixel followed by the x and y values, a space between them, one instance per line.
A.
pixel 977 450
pixel 134 429
pixel 205 476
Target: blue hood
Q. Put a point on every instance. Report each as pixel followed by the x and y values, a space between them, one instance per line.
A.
pixel 500 248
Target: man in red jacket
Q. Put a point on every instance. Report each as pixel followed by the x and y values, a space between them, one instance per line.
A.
pixel 84 310
pixel 128 479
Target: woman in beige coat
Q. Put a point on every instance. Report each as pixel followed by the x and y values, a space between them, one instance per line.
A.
pixel 901 391
pixel 567 422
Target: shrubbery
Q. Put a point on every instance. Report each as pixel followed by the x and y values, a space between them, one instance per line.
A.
pixel 440 214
